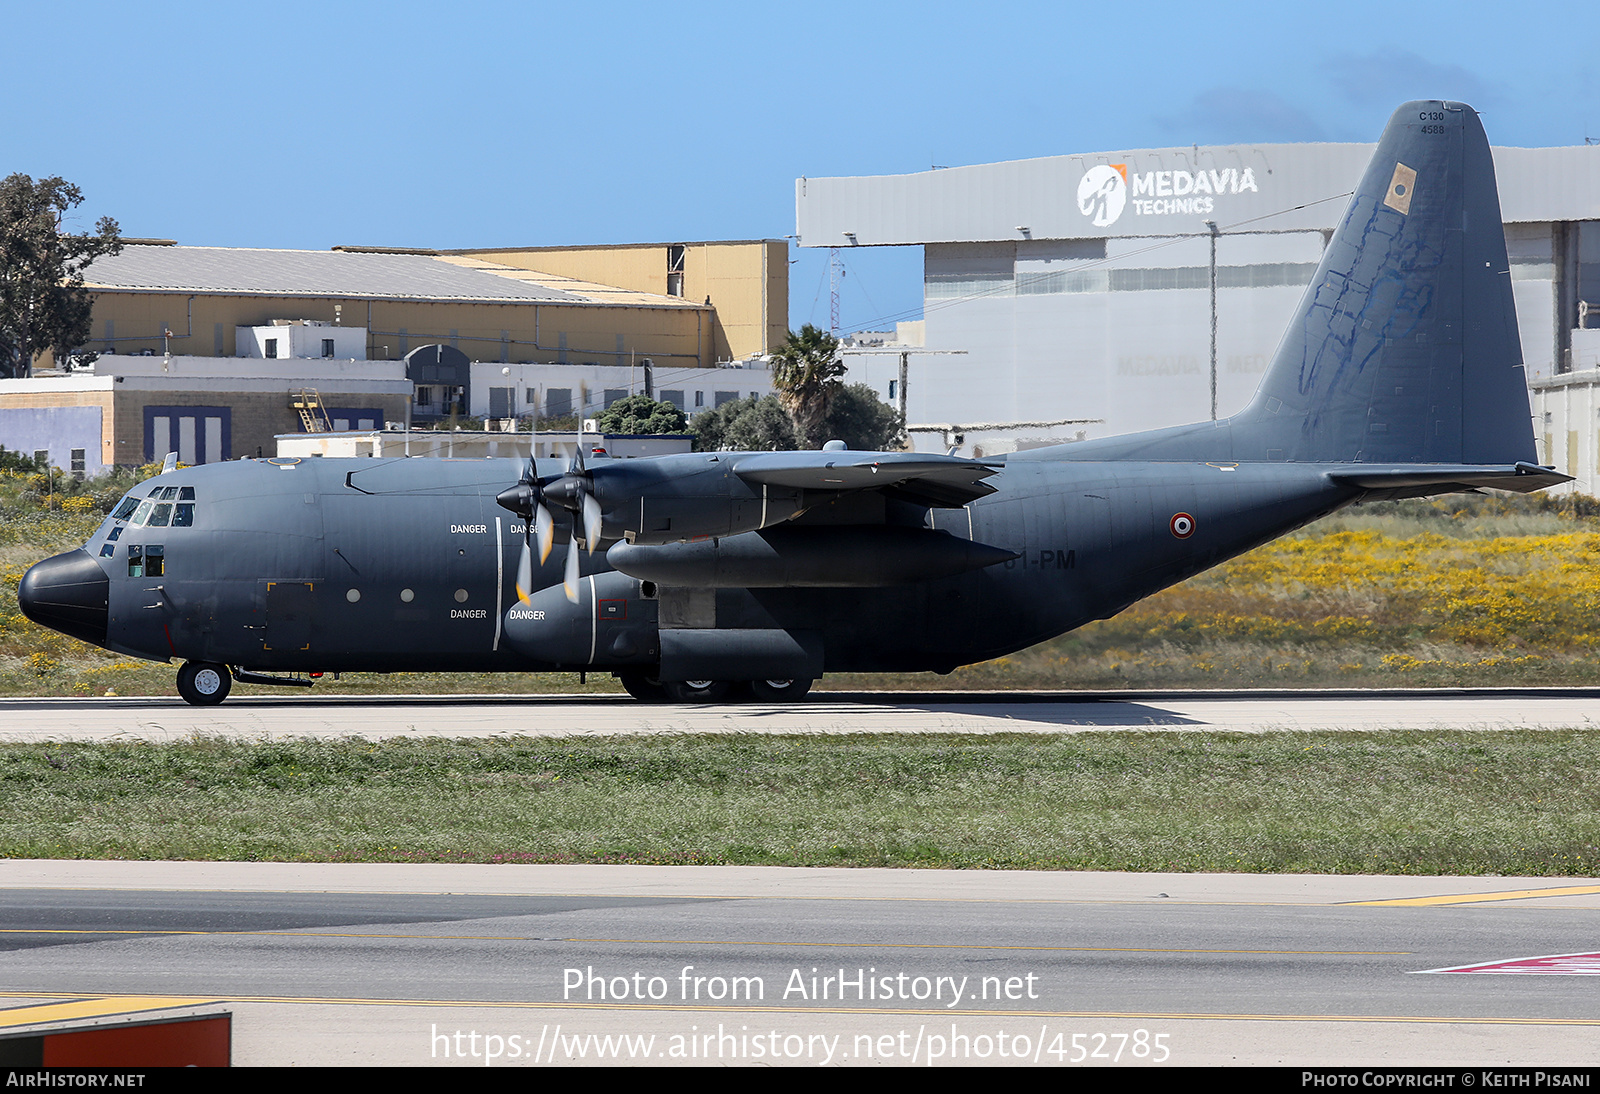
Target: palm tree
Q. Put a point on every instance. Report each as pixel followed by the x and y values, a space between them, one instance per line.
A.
pixel 806 377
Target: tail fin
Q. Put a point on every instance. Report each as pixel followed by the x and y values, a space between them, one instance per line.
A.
pixel 1404 349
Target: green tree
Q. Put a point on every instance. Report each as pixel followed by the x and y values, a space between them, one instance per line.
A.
pixel 641 414
pixel 857 417
pixel 43 304
pixel 806 378
pixel 745 425
pixel 863 421
pixel 17 462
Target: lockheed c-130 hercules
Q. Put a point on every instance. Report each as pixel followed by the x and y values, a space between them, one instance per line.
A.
pixel 692 576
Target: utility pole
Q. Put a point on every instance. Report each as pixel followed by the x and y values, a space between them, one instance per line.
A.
pixel 1212 225
pixel 835 275
pixel 905 366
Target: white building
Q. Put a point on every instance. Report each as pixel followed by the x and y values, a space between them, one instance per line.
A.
pixel 302 338
pixel 556 391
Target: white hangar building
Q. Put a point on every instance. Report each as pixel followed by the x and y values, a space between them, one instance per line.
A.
pixel 1079 286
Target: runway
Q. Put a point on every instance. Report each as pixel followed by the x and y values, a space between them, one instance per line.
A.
pixel 550 965
pixel 539 965
pixel 377 717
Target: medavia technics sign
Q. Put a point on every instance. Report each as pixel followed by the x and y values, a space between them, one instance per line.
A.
pixel 1107 190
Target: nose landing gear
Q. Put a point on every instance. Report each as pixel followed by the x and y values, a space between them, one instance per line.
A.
pixel 204 683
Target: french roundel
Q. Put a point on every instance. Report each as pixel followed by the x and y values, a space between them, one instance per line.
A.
pixel 1182 525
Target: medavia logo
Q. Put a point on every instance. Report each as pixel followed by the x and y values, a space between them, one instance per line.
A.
pixel 1103 192
pixel 1107 189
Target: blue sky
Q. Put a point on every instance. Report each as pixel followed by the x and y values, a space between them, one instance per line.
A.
pixel 308 125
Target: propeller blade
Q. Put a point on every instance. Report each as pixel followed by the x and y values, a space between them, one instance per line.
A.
pixel 525 571
pixel 591 521
pixel 545 528
pixel 569 578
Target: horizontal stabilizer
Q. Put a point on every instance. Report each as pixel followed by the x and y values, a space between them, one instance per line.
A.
pixel 936 480
pixel 1416 481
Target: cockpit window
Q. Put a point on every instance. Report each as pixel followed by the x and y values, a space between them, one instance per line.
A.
pixel 158 510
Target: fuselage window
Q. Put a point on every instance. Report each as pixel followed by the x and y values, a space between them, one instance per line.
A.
pixel 161 515
pixel 114 535
pixel 154 560
pixel 135 560
pixel 183 515
pixel 108 550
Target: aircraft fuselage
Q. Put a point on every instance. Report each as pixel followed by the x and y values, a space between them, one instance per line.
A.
pixel 285 567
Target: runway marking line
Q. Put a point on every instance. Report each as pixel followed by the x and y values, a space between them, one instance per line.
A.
pixel 709 897
pixel 483 1004
pixel 291 932
pixel 962 946
pixel 1477 898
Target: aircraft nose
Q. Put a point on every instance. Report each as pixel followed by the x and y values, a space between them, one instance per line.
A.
pixel 67 593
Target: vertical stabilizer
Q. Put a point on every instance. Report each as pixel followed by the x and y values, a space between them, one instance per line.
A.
pixel 1404 348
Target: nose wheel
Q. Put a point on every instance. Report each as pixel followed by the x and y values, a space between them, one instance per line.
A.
pixel 204 683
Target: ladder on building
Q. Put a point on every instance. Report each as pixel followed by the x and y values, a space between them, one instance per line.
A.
pixel 313 415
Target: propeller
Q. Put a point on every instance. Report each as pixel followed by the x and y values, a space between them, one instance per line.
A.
pixel 573 490
pixel 526 499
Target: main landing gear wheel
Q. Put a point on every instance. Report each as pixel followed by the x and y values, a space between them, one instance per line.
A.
pixel 779 691
pixel 204 683
pixel 643 687
pixel 696 691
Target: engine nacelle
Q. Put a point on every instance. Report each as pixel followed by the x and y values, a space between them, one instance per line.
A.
pixel 612 624
pixel 671 499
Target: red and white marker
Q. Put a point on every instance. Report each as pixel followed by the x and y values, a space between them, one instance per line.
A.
pixel 1182 525
pixel 1560 964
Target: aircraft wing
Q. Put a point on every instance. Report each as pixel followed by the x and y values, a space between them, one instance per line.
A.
pixel 926 478
pixel 1419 481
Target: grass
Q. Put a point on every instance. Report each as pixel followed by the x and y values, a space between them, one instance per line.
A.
pixel 1398 802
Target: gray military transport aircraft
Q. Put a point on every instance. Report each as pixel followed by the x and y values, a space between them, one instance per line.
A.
pixel 695 577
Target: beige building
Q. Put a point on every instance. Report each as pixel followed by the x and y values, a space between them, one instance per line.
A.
pixel 205 350
pixel 744 282
pixel 682 305
pixel 132 410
